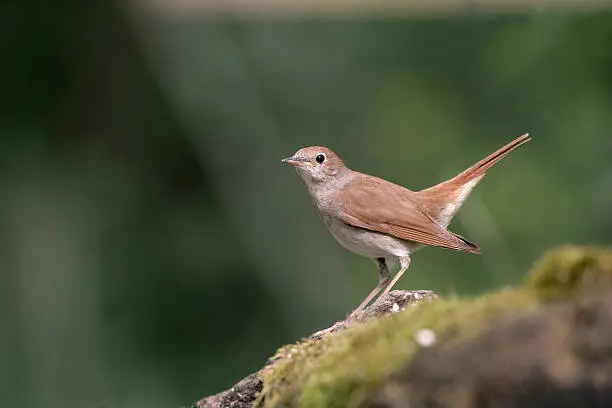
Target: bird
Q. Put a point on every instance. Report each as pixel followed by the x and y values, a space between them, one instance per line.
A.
pixel 382 220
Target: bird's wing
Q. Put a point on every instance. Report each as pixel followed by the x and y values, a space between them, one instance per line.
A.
pixel 378 205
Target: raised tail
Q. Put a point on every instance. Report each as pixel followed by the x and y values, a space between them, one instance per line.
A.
pixel 480 168
pixel 443 200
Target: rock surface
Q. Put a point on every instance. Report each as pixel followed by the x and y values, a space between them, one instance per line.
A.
pixel 545 343
pixel 241 395
pixel 559 356
pixel 244 393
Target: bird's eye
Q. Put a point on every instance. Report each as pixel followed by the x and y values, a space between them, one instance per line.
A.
pixel 320 158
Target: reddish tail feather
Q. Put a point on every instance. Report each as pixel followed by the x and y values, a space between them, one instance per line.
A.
pixel 480 168
pixel 444 200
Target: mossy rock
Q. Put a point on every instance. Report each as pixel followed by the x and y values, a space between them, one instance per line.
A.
pixel 345 369
pixel 568 271
pixel 559 355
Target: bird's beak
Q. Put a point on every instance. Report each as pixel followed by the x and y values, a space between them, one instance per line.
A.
pixel 297 161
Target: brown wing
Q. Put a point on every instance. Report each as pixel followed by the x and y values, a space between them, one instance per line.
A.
pixel 377 205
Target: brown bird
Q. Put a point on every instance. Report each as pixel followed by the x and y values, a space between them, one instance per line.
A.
pixel 382 220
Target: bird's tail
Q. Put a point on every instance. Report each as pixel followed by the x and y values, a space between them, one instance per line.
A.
pixel 481 167
pixel 444 199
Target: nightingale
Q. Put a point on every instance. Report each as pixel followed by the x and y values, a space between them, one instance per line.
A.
pixel 382 220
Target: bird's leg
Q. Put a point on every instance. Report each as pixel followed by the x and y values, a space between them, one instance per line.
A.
pixel 404 264
pixel 383 279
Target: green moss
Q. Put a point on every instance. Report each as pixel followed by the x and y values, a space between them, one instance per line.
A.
pixel 342 369
pixel 339 370
pixel 565 272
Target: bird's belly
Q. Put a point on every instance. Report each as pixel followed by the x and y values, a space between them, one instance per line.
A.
pixel 368 243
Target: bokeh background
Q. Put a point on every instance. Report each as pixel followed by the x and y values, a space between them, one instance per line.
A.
pixel 154 248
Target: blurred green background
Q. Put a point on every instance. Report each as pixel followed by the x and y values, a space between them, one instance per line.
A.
pixel 154 248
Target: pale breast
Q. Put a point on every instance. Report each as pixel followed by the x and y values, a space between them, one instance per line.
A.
pixel 368 243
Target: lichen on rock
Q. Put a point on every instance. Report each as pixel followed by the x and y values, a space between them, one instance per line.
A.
pixel 559 355
pixel 369 361
pixel 341 370
pixel 344 369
